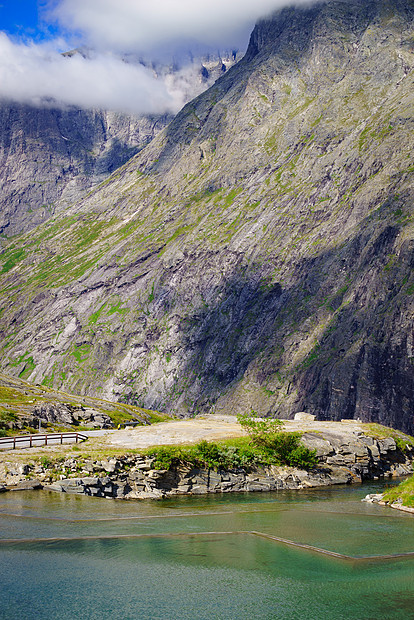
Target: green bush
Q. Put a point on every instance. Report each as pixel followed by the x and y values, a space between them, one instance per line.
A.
pixel 205 454
pixel 166 456
pixel 260 430
pixel 303 457
pixel 222 456
pixel 275 446
pixel 45 461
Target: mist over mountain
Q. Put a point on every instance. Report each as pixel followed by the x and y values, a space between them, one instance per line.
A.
pixel 52 153
pixel 258 252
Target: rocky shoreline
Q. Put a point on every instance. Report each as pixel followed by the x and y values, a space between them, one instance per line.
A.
pixel 343 458
pixel 378 498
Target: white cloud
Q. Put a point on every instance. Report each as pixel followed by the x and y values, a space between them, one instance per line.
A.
pixel 143 24
pixel 39 75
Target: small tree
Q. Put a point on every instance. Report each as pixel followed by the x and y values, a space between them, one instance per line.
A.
pixel 275 445
pixel 260 430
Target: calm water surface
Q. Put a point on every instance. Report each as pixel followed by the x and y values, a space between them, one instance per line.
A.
pixel 68 557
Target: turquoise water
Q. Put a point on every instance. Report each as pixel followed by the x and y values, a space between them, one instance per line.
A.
pixel 67 557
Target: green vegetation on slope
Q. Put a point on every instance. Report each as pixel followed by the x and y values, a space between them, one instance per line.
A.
pixel 402 440
pixel 20 403
pixel 403 493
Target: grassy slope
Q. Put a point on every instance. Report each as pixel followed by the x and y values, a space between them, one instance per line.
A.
pixel 403 492
pixel 18 398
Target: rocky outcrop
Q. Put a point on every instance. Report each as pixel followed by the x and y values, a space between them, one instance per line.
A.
pixel 24 406
pixel 352 458
pixel 378 498
pixel 68 414
pixel 258 253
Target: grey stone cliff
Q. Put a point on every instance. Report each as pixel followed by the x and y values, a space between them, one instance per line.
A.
pixel 52 156
pixel 258 253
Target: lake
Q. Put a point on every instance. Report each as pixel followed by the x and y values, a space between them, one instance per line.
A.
pixel 206 557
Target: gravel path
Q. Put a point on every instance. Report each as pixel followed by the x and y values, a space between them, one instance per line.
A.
pixel 209 427
pixel 181 432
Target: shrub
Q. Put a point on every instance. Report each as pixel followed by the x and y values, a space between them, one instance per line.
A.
pixel 276 446
pixel 45 461
pixel 221 456
pixel 260 430
pixel 303 457
pixel 166 456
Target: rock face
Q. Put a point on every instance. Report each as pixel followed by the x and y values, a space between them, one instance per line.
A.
pixel 50 157
pixel 68 414
pixel 258 252
pixel 342 459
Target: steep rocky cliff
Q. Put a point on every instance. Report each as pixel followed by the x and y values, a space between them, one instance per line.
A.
pixel 51 156
pixel 258 252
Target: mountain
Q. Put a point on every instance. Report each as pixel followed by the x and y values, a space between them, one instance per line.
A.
pixel 51 156
pixel 258 253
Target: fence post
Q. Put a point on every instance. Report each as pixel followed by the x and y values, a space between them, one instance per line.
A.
pixel 30 441
pixel 45 440
pixel 14 443
pixel 61 438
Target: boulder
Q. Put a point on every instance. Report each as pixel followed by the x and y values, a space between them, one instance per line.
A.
pixel 302 416
pixel 373 498
pixel 386 445
pixel 314 442
pixel 28 485
pixel 109 466
pixel 54 413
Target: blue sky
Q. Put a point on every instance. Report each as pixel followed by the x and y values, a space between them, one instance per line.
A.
pixel 20 17
pixel 27 20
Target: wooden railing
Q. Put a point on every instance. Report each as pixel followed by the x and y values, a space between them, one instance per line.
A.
pixel 39 440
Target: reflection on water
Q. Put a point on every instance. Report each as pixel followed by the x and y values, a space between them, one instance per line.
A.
pixel 196 558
